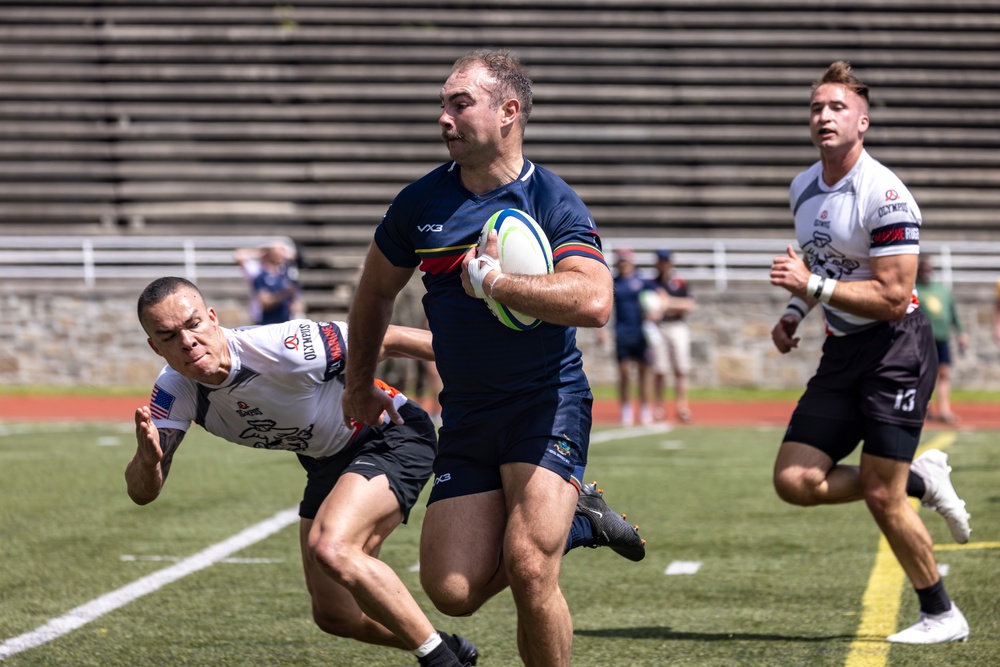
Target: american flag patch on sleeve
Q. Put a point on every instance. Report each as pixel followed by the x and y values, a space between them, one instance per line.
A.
pixel 160 402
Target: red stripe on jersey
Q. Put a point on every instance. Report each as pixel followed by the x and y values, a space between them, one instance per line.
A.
pixel 577 248
pixel 439 265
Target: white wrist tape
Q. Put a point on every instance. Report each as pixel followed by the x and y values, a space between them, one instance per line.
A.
pixel 478 268
pixel 494 282
pixel 797 308
pixel 815 285
pixel 826 291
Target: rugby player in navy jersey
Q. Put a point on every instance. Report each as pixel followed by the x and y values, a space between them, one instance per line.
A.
pixel 859 229
pixel 516 405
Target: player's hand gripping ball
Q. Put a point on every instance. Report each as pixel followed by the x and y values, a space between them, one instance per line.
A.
pixel 523 249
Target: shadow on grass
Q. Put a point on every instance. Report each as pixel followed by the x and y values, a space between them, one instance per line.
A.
pixel 666 633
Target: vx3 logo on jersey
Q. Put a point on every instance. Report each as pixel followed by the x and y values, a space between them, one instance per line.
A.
pixel 430 228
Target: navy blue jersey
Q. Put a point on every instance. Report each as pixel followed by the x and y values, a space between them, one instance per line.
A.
pixel 431 224
pixel 274 283
pixel 675 286
pixel 629 315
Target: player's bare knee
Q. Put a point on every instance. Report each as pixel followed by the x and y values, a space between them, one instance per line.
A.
pixel 531 578
pixel 450 595
pixel 456 608
pixel 336 558
pixel 453 602
pixel 881 502
pixel 796 487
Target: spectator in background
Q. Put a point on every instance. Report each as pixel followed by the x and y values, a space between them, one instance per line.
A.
pixel 939 304
pixel 272 274
pixel 631 346
pixel 670 339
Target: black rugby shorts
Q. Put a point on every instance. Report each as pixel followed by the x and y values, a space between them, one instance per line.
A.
pixel 403 453
pixel 877 378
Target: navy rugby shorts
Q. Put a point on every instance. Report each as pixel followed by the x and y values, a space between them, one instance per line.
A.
pixel 634 347
pixel 943 352
pixel 547 429
pixel 403 453
pixel 874 385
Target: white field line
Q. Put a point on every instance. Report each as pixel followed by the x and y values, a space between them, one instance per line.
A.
pixel 108 602
pixel 628 432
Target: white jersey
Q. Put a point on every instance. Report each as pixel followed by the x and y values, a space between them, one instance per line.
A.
pixel 283 391
pixel 868 213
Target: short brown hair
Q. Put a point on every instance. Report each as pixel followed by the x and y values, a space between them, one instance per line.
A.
pixel 508 71
pixel 842 73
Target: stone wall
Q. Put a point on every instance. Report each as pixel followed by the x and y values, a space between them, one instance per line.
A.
pixel 72 340
pixel 731 343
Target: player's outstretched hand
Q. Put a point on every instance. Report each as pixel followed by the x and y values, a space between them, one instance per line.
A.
pixel 148 451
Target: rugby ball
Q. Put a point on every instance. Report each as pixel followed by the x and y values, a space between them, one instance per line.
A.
pixel 650 303
pixel 523 249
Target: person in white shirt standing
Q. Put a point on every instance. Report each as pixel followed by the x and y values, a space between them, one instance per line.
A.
pixel 859 230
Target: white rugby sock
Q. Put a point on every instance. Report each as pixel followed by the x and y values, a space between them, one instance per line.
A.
pixel 432 643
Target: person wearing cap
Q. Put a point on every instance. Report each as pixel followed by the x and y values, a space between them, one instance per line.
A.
pixel 670 339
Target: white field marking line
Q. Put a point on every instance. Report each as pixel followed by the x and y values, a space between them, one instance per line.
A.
pixel 109 602
pixel 8 428
pixel 683 567
pixel 130 558
pixel 883 596
pixel 628 432
pixel 29 428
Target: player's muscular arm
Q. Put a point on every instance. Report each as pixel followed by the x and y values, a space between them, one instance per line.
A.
pixel 155 448
pixel 579 294
pixel 368 321
pixel 886 296
pixel 407 343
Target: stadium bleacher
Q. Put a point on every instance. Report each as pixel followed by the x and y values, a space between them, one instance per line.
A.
pixel 248 118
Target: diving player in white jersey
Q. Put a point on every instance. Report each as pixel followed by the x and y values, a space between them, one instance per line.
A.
pixel 279 387
pixel 860 229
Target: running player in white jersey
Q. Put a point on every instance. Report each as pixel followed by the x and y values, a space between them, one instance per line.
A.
pixel 859 229
pixel 279 387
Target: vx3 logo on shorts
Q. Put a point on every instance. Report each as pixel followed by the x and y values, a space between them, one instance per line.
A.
pixel 430 228
pixel 441 479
